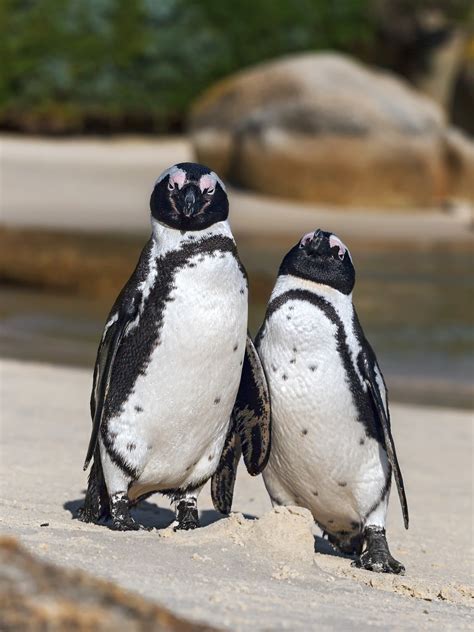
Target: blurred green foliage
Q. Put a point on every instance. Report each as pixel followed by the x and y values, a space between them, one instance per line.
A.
pixel 74 65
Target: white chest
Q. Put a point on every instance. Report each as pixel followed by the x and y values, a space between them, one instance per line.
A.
pixel 178 414
pixel 321 457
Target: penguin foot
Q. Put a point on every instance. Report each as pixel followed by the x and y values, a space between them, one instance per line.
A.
pixel 88 514
pixel 121 518
pixel 187 515
pixel 377 556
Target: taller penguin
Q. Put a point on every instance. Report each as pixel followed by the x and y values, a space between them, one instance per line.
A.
pixel 170 362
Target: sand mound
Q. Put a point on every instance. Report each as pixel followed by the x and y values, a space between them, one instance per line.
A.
pixel 285 532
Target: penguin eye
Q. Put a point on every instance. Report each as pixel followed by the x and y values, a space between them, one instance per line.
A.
pixel 171 185
pixel 211 190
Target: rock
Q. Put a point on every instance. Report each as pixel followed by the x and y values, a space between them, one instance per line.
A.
pixel 460 164
pixel 324 128
pixel 35 595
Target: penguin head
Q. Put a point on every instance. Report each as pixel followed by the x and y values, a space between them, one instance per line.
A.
pixel 189 196
pixel 323 258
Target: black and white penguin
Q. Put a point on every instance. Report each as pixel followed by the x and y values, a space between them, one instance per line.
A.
pixel 332 448
pixel 170 361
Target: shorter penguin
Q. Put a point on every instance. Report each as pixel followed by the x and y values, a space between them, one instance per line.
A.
pixel 332 448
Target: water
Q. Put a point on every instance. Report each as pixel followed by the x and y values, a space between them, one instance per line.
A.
pixel 416 307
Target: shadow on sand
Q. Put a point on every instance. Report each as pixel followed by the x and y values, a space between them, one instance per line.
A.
pixel 321 545
pixel 152 516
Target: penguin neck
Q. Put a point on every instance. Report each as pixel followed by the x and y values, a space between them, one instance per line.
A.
pixel 166 239
pixel 286 282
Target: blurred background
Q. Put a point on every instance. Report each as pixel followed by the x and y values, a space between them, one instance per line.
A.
pixel 356 116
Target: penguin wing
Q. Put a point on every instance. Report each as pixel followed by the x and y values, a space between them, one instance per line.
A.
pixel 368 364
pixel 123 314
pixel 249 433
pixel 252 412
pixel 223 479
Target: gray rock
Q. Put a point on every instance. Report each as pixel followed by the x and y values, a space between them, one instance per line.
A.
pixel 322 127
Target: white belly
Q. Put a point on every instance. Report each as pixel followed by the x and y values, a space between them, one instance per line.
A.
pixel 321 457
pixel 178 414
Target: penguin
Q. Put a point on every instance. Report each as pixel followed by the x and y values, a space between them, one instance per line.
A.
pixel 332 448
pixel 174 349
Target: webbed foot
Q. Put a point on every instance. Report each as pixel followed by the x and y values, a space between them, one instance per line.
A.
pixel 187 515
pixel 121 518
pixel 86 513
pixel 376 556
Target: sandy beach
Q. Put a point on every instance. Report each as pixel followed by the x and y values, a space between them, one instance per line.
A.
pixel 242 573
pixel 257 569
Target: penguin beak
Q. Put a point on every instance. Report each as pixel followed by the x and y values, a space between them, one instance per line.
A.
pixel 317 241
pixel 317 238
pixel 189 202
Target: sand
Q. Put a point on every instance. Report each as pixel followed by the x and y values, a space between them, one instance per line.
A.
pixel 242 573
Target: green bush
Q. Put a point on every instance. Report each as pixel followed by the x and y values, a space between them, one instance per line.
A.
pixel 98 65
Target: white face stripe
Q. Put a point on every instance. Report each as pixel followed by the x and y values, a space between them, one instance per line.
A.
pixel 176 175
pixel 335 242
pixel 179 176
pixel 207 181
pixel 214 175
pixel 306 238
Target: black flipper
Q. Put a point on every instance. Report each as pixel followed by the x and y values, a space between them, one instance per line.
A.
pixel 252 412
pixel 367 366
pixel 250 431
pixel 125 315
pixel 223 479
pixel 96 502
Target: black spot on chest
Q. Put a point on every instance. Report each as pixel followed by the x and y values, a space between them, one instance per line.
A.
pixel 367 414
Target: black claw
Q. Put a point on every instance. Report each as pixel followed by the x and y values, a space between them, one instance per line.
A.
pixel 125 525
pixel 128 525
pixel 377 557
pixel 377 565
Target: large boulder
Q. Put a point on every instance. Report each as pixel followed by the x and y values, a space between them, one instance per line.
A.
pixel 322 127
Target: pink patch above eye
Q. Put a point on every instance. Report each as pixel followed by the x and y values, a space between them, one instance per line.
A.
pixel 178 177
pixel 335 242
pixel 306 238
pixel 207 181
